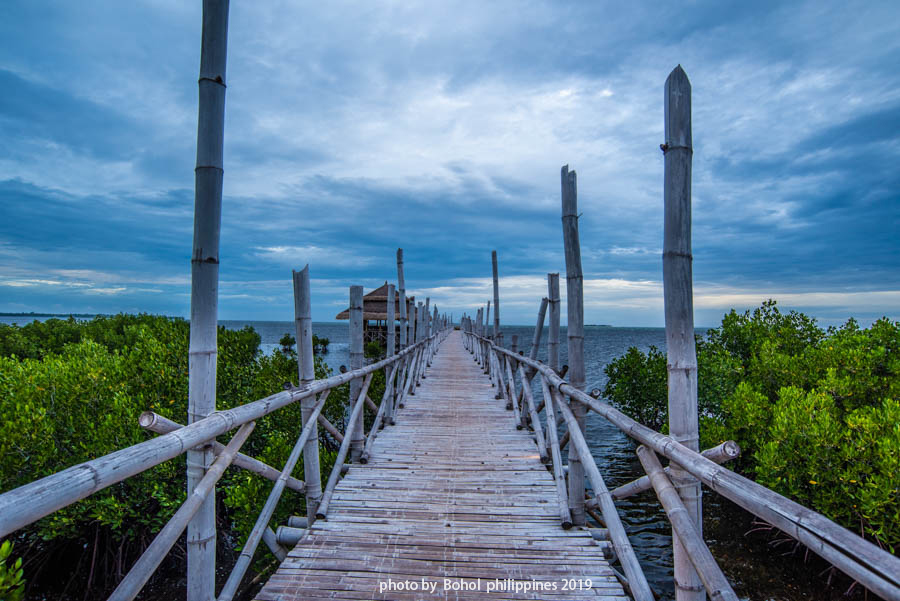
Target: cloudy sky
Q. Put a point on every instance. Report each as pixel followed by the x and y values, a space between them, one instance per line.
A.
pixel 354 128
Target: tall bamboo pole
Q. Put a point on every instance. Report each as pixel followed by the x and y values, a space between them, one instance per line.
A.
pixel 679 310
pixel 391 318
pixel 575 306
pixel 307 373
pixel 553 335
pixel 401 295
pixel 356 361
pixel 426 317
pixel 208 176
pixel 497 336
pixel 391 349
pixel 538 330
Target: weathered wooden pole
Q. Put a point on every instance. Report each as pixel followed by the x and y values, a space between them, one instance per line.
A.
pixel 497 337
pixel 487 321
pixel 391 317
pixel 208 176
pixel 357 358
pixel 307 373
pixel 553 334
pixel 426 317
pixel 401 295
pixel 391 349
pixel 679 310
pixel 575 306
pixel 538 329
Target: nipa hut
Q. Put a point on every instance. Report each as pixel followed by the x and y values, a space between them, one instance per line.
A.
pixel 375 314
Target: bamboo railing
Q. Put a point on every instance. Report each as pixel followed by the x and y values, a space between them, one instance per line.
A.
pixel 872 567
pixel 404 369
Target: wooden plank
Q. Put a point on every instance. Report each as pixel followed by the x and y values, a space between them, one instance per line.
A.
pixel 454 491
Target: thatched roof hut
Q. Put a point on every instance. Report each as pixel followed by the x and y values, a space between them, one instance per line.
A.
pixel 375 310
pixel 375 305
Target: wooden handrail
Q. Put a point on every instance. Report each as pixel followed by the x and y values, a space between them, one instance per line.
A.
pixel 30 502
pixel 874 568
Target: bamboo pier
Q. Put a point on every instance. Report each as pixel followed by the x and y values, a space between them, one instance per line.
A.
pixel 441 504
pixel 461 484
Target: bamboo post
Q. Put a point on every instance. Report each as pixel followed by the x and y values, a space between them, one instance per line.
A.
pixel 487 327
pixel 391 318
pixel 538 329
pixel 575 306
pixel 357 359
pixel 208 176
pixel 535 420
pixel 565 516
pixel 679 311
pixel 391 350
pixel 305 365
pixel 426 316
pixel 711 575
pixel 401 295
pixel 553 334
pixel 497 335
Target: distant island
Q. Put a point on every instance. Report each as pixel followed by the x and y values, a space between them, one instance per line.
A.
pixel 33 314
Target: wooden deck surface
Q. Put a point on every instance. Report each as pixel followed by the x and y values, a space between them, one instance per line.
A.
pixel 452 495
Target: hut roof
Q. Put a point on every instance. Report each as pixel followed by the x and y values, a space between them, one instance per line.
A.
pixel 375 305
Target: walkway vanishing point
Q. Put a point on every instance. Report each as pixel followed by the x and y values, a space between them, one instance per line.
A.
pixel 452 495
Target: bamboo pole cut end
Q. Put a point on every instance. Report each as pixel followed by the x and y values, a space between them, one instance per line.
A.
pixel 147 419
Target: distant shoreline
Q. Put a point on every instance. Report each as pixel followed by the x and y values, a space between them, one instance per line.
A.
pixel 34 314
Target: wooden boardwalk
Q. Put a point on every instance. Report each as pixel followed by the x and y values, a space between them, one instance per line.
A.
pixel 453 497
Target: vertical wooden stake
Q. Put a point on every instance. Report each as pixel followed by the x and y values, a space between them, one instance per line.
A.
pixel 202 354
pixel 538 330
pixel 679 310
pixel 307 373
pixel 357 358
pixel 391 350
pixel 553 335
pixel 401 295
pixel 575 305
pixel 391 318
pixel 497 335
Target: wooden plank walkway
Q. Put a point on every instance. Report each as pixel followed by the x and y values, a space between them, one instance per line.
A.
pixel 453 497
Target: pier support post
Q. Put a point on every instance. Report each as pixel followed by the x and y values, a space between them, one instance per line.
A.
pixel 202 354
pixel 498 339
pixel 575 306
pixel 307 373
pixel 401 295
pixel 357 358
pixel 679 311
pixel 389 352
pixel 553 334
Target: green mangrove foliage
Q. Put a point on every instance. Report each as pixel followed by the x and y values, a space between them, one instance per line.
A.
pixel 816 412
pixel 12 583
pixel 71 391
